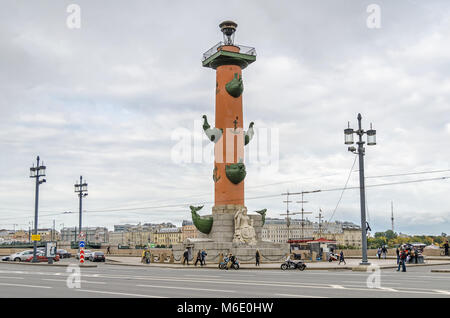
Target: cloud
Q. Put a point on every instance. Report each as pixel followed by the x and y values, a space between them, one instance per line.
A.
pixel 103 101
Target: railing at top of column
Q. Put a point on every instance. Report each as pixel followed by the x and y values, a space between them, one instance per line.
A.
pixel 243 50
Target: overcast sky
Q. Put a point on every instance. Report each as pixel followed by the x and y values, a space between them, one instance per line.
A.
pixel 108 100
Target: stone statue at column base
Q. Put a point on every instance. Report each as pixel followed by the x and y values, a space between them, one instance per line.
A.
pixel 244 232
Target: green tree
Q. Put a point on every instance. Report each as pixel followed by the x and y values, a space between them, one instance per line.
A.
pixel 390 234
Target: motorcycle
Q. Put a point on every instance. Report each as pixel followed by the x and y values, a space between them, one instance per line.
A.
pixel 223 264
pixel 293 265
pixel 333 257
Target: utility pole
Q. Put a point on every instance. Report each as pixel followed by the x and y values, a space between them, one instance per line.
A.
pixel 81 189
pixel 288 221
pixel 392 215
pixel 14 235
pixel 320 217
pixel 302 193
pixel 303 216
pixel 61 231
pixel 371 141
pixel 36 172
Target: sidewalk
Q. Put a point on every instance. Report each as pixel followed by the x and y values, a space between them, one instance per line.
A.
pixel 352 264
pixel 55 264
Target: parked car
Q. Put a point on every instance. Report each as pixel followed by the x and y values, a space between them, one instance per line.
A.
pixel 21 256
pixel 41 257
pixel 87 254
pixel 97 257
pixel 5 258
pixel 63 253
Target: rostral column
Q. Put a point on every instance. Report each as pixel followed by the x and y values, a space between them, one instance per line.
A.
pixel 229 136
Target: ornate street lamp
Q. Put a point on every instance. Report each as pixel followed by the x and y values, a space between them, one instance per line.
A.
pixel 81 189
pixel 37 172
pixel 348 134
pixel 371 141
pixel 371 136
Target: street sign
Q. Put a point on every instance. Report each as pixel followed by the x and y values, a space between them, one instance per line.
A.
pixel 35 237
pixel 81 254
pixel 82 244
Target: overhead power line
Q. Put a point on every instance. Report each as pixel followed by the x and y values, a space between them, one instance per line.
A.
pixel 345 187
pixel 408 174
pixel 250 198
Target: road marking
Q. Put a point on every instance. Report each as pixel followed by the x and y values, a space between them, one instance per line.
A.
pixel 199 274
pixel 91 282
pixel 20 285
pixel 364 282
pixel 300 296
pixel 297 285
pixel 337 286
pixel 12 277
pixel 189 288
pixel 445 292
pixel 116 293
pixel 64 280
pixel 388 289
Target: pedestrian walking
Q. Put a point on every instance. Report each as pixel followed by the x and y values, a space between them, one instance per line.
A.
pixel 341 258
pixel 446 248
pixel 384 251
pixel 402 262
pixel 379 252
pixel 257 257
pixel 186 257
pixel 143 256
pixel 108 251
pixel 204 254
pixel 397 251
pixel 199 258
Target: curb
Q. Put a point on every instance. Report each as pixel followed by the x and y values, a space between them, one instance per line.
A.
pixel 440 270
pixel 215 267
pixel 46 264
pixel 356 268
pixel 363 268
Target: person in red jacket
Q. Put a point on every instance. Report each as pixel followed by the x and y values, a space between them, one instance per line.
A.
pixel 402 260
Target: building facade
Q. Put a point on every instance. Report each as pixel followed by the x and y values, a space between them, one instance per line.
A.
pixel 93 234
pixel 131 238
pixel 137 234
pixel 344 233
pixel 167 236
pixel 188 230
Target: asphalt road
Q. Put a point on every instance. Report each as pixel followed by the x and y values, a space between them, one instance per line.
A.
pixel 128 281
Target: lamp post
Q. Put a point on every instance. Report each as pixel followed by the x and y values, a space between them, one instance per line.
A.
pixel 81 189
pixel 61 231
pixel 14 235
pixel 371 141
pixel 37 172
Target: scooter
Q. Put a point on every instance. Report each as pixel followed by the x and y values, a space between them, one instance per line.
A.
pixel 223 264
pixel 333 257
pixel 293 265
